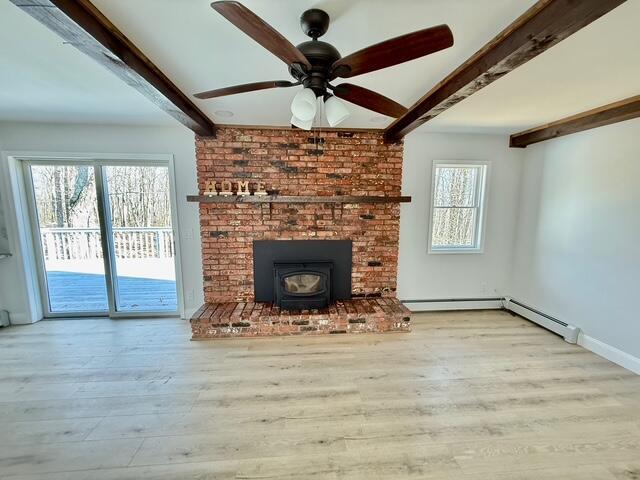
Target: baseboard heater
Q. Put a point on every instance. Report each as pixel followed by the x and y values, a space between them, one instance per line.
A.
pixel 431 305
pixel 565 330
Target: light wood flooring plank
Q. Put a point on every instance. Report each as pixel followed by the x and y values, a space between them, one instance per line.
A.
pixel 466 395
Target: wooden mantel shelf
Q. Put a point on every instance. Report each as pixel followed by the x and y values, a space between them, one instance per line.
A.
pixel 295 199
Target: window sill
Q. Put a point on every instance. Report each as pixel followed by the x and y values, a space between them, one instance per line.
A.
pixel 455 251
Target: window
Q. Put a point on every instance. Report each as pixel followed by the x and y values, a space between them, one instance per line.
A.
pixel 457 207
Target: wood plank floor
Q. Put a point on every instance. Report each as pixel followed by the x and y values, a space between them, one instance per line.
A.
pixel 466 395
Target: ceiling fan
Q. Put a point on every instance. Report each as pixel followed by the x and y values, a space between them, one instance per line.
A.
pixel 314 64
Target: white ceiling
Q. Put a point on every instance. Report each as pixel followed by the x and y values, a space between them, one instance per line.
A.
pixel 41 79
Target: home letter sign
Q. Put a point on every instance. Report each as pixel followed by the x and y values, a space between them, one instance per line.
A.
pixel 243 188
pixel 225 188
pixel 210 188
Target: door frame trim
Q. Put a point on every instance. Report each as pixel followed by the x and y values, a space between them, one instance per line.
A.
pixel 106 239
pixel 20 161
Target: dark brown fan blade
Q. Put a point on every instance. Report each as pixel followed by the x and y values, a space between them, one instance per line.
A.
pixel 394 51
pixel 260 31
pixel 247 87
pixel 369 99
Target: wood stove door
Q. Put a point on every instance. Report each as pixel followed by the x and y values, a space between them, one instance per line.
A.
pixel 304 284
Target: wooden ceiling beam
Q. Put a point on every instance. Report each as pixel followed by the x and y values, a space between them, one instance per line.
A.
pixel 598 117
pixel 81 24
pixel 545 24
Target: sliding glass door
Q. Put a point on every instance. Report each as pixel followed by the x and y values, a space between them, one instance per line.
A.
pixel 141 238
pixel 70 241
pixel 104 237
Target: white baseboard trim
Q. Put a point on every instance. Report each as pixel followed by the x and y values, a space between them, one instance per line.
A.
pixel 21 319
pixel 610 353
pixel 452 304
pixel 573 334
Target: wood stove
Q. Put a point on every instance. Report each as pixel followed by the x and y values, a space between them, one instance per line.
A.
pixel 302 286
pixel 302 274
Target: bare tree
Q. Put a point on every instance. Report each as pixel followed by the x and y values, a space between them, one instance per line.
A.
pixel 66 196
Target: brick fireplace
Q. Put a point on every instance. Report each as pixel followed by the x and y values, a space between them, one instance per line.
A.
pixel 291 162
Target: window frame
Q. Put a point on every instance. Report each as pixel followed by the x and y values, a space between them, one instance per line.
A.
pixel 482 186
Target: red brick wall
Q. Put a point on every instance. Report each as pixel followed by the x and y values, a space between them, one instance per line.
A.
pixel 297 162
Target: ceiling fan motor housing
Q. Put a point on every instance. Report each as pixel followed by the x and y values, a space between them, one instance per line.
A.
pixel 321 56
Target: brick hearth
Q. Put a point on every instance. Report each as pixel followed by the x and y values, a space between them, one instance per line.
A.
pixel 248 319
pixel 295 162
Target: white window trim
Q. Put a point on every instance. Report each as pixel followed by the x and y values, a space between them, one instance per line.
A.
pixel 483 184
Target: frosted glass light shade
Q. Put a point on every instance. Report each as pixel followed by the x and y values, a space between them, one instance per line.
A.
pixel 335 110
pixel 304 105
pixel 303 124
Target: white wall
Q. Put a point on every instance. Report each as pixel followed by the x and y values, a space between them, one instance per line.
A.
pixel 177 141
pixel 4 236
pixel 423 276
pixel 577 253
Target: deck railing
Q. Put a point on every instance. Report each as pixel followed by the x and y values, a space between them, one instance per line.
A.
pixel 84 243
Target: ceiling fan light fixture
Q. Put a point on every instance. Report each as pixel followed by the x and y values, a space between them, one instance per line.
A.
pixel 302 124
pixel 304 105
pixel 335 111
